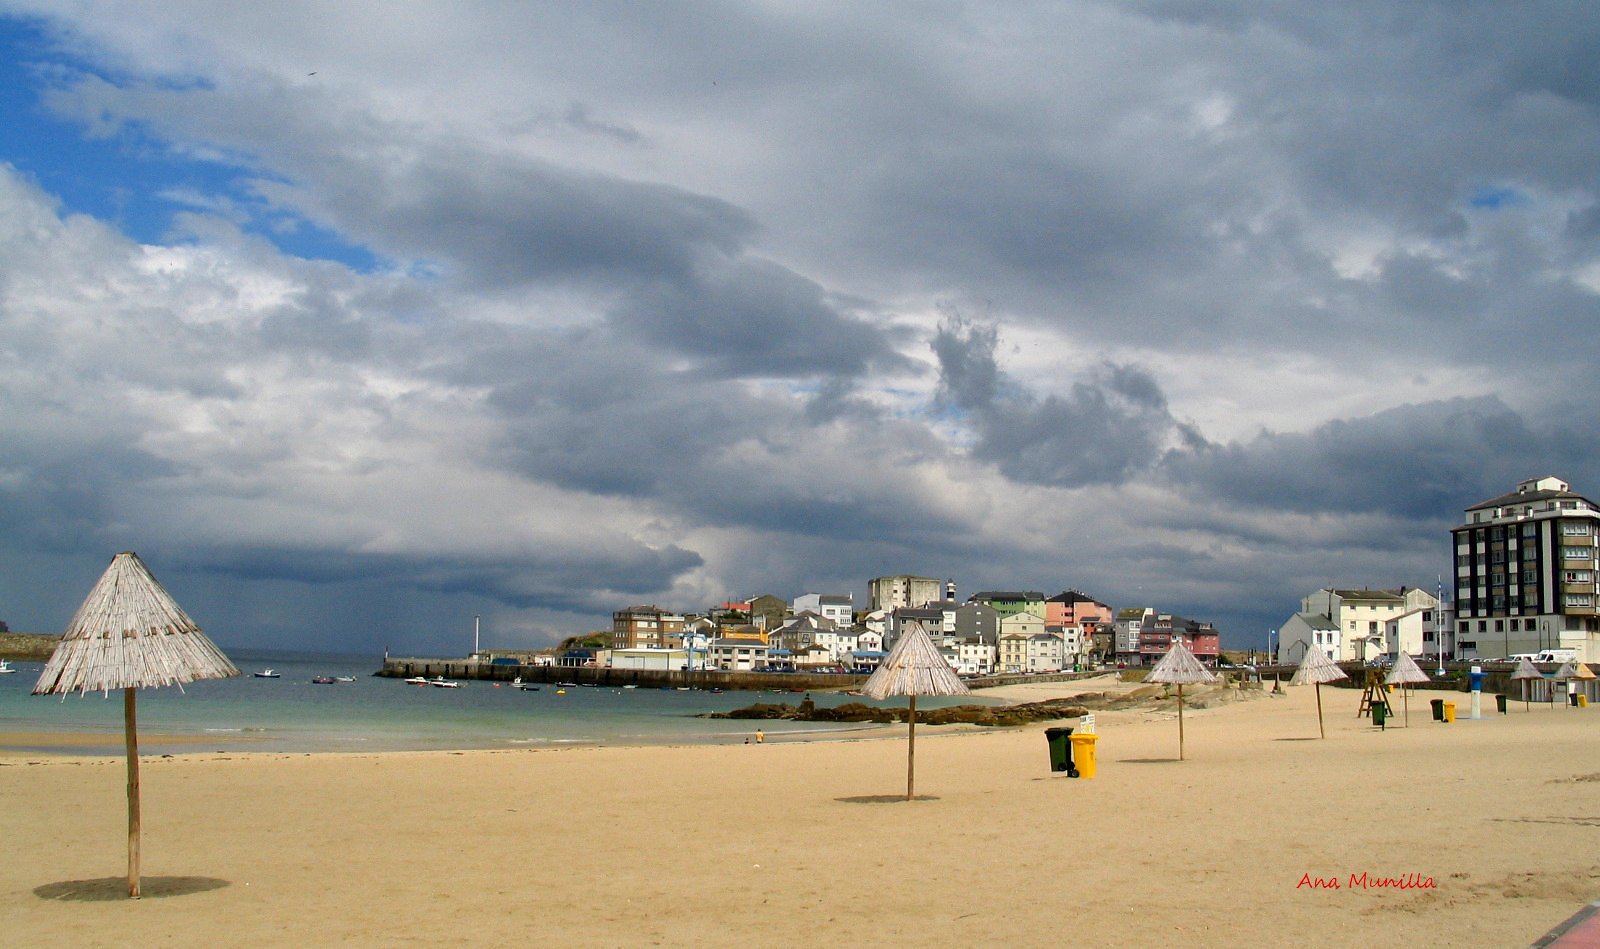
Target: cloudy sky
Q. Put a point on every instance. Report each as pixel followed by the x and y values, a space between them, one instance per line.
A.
pixel 358 320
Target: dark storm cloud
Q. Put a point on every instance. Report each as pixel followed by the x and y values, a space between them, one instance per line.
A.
pixel 562 581
pixel 754 318
pixel 1414 462
pixel 1108 427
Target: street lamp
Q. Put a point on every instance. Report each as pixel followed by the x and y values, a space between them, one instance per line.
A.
pixel 1270 652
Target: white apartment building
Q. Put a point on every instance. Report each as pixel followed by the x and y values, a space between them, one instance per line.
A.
pixel 1526 573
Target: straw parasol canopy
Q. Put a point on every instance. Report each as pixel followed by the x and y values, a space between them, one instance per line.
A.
pixel 1317 668
pixel 1405 673
pixel 1567 672
pixel 1179 667
pixel 129 634
pixel 1525 671
pixel 913 667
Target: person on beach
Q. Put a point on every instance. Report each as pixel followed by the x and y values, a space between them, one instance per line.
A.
pixel 760 737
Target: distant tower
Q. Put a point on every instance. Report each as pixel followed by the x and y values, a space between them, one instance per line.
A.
pixel 950 590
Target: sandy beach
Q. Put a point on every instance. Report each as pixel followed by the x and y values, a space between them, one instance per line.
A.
pixel 1494 823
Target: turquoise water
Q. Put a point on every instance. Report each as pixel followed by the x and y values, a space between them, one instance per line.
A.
pixel 291 714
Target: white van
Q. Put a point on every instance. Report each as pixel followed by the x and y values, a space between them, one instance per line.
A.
pixel 1557 655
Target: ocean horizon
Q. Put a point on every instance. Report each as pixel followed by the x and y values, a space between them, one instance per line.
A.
pixel 291 714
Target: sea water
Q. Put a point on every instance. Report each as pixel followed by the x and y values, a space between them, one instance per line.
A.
pixel 292 714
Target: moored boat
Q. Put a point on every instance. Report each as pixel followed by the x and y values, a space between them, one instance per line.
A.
pixel 322 680
pixel 268 674
pixel 417 680
pixel 5 668
pixel 444 683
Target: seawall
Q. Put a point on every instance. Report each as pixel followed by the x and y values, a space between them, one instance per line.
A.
pixel 27 647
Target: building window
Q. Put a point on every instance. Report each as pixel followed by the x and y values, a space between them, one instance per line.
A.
pixel 1530 576
pixel 1527 530
pixel 1577 553
pixel 1579 599
pixel 1499 625
pixel 1575 528
pixel 1578 576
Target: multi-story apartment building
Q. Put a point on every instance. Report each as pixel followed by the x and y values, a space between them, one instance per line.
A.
pixel 1071 608
pixel 1009 602
pixel 648 627
pixel 1158 631
pixel 838 607
pixel 889 593
pixel 1355 625
pixel 977 622
pixel 1525 573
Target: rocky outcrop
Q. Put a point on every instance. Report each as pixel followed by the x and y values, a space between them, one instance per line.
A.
pixel 1145 696
pixel 948 715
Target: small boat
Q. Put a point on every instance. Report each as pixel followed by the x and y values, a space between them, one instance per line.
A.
pixel 5 668
pixel 630 685
pixel 444 683
pixel 561 691
pixel 568 685
pixel 417 680
pixel 524 686
pixel 344 678
pixel 268 674
pixel 322 680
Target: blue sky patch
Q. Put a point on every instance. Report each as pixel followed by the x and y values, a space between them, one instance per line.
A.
pixel 1495 197
pixel 131 179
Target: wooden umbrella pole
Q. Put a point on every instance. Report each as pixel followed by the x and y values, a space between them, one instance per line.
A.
pixel 1180 721
pixel 911 751
pixel 131 725
pixel 1320 730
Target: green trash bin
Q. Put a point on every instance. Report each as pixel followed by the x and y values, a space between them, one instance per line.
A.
pixel 1500 703
pixel 1438 709
pixel 1060 740
pixel 1380 714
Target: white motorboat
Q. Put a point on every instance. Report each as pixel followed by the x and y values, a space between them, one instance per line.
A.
pixel 5 667
pixel 344 678
pixel 268 674
pixel 444 683
pixel 417 680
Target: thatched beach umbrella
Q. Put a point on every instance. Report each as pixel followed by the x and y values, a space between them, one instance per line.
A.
pixel 1317 668
pixel 912 668
pixel 1570 672
pixel 1525 671
pixel 1582 673
pixel 1177 667
pixel 127 635
pixel 1405 672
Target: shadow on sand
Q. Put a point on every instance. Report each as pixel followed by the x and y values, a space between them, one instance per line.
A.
pixel 884 799
pixel 1297 739
pixel 1149 760
pixel 107 889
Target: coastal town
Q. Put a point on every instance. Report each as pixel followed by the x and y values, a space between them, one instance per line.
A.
pixel 1523 586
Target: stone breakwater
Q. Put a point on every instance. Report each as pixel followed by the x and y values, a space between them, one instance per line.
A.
pixel 27 647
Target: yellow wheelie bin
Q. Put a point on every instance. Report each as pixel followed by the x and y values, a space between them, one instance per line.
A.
pixel 1083 754
pixel 1449 711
